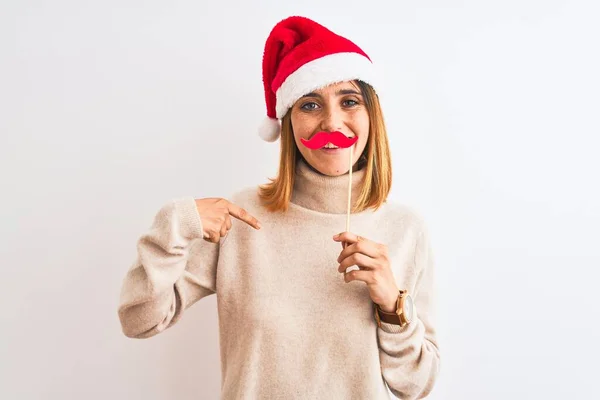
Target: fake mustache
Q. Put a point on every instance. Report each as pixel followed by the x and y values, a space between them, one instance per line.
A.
pixel 320 139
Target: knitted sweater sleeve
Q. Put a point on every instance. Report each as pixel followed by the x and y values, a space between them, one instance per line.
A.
pixel 409 355
pixel 171 272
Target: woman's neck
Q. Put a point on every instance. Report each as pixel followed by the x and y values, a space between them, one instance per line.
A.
pixel 324 193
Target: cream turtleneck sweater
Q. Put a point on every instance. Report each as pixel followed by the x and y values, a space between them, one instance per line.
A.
pixel 290 327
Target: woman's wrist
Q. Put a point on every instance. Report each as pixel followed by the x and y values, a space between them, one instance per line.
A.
pixel 389 306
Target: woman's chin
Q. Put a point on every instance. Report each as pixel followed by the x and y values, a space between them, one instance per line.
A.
pixel 332 167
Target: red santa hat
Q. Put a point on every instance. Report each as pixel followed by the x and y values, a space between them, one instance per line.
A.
pixel 301 56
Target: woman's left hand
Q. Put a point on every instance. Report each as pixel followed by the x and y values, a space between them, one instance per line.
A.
pixel 373 260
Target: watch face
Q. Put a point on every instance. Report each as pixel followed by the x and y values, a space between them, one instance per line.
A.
pixel 408 307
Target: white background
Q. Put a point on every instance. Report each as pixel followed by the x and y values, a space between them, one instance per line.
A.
pixel 109 109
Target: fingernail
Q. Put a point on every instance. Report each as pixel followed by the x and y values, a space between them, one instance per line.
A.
pixel 336 236
pixel 259 225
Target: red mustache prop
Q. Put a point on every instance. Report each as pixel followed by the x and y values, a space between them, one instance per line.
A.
pixel 320 139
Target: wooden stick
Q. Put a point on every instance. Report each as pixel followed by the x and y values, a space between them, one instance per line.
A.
pixel 349 190
pixel 349 193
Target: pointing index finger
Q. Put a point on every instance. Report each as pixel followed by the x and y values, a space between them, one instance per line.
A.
pixel 243 215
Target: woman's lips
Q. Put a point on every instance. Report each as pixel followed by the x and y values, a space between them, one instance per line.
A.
pixel 331 151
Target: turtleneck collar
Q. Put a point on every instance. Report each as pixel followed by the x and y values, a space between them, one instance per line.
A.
pixel 324 193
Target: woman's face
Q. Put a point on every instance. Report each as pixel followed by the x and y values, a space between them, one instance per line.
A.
pixel 337 107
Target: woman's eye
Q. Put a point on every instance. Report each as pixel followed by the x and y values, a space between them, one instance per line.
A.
pixel 350 103
pixel 309 106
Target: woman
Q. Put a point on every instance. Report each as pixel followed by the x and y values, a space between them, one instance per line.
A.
pixel 293 323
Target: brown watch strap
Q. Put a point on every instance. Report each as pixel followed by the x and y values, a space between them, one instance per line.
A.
pixel 390 318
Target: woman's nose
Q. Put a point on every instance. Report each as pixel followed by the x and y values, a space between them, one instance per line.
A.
pixel 332 121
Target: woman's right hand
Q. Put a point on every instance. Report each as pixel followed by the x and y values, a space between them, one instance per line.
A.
pixel 216 213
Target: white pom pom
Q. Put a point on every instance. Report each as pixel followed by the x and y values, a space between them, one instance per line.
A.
pixel 269 129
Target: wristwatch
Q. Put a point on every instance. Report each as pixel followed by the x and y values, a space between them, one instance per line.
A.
pixel 404 311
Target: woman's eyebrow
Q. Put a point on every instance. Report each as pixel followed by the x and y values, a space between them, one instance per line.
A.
pixel 347 91
pixel 340 92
